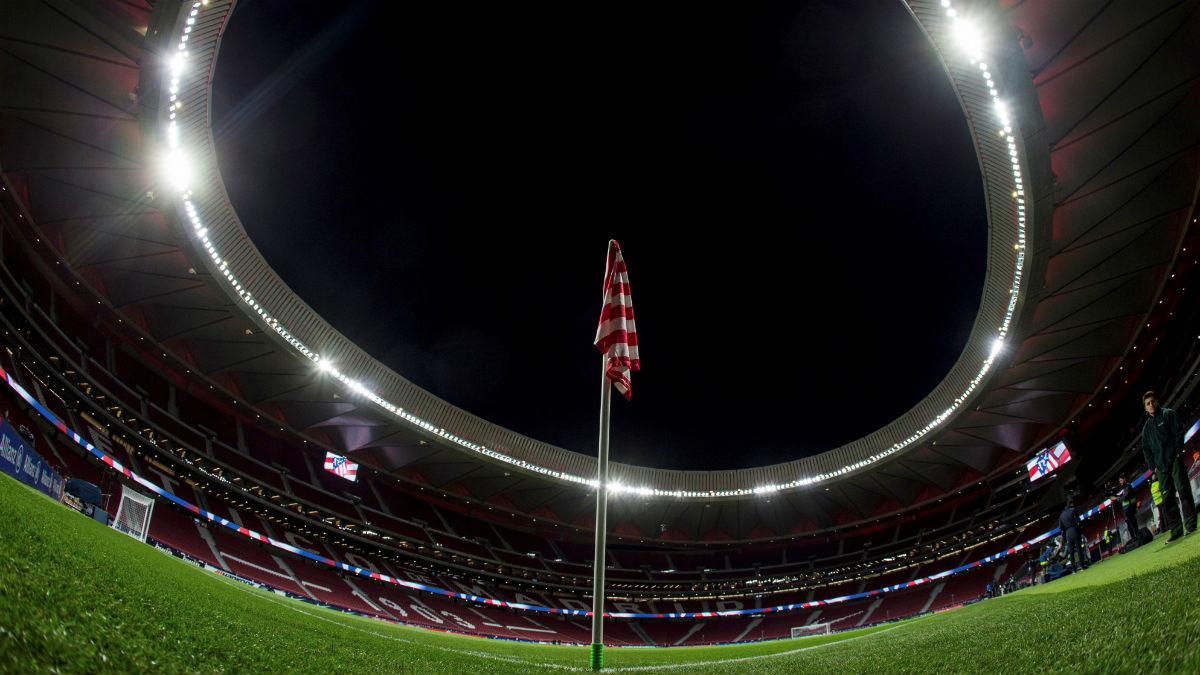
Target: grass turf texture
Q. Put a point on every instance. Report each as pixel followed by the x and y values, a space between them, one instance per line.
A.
pixel 76 597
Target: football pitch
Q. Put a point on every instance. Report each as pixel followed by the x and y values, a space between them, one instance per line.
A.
pixel 77 597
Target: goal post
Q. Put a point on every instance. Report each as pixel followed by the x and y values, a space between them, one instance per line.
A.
pixel 811 629
pixel 133 514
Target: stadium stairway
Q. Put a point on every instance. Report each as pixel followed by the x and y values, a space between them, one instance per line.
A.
pixel 870 610
pixel 749 627
pixel 668 633
pixel 637 628
pixel 691 631
pixel 207 537
pixel 933 596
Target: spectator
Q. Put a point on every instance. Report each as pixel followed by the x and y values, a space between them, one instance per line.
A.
pixel 1162 445
pixel 1129 505
pixel 1068 522
pixel 1157 498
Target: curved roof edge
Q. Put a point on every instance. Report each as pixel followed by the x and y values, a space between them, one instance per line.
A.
pixel 206 214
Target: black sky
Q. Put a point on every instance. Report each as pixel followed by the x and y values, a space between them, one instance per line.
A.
pixel 792 185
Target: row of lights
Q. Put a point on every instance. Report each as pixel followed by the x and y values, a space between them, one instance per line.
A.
pixel 217 473
pixel 179 175
pixel 387 579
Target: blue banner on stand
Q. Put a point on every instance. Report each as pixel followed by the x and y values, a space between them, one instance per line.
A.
pixel 18 460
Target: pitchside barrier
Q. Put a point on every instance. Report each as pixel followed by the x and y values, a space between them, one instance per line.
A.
pixel 212 517
pixel 18 460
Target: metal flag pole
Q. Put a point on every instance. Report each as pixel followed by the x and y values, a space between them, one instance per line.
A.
pixel 616 337
pixel 601 522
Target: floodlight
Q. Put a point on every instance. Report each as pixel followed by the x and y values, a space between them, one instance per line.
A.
pixel 176 169
pixel 175 65
pixel 969 38
pixel 1002 112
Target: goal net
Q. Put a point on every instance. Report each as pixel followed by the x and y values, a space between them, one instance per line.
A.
pixel 133 514
pixel 810 629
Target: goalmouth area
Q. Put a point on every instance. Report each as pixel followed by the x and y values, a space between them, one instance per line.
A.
pixel 78 597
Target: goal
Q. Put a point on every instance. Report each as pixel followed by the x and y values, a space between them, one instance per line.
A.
pixel 811 629
pixel 133 514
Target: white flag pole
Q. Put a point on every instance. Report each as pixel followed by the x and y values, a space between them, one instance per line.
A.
pixel 601 522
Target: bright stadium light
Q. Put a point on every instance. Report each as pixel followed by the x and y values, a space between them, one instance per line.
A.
pixel 175 65
pixel 970 40
pixel 1002 112
pixel 176 169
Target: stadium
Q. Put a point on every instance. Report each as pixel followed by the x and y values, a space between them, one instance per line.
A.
pixel 161 376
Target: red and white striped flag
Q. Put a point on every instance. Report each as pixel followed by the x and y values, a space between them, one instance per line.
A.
pixel 616 335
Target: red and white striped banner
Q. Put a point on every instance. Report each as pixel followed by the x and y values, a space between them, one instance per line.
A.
pixel 616 335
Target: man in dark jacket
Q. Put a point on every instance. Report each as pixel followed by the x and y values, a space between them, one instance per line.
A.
pixel 1128 503
pixel 1162 445
pixel 1068 522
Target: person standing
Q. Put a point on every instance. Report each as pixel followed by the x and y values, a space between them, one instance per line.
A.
pixel 1162 445
pixel 1068 522
pixel 1128 503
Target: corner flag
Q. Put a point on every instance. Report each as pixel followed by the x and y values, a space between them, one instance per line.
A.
pixel 616 338
pixel 616 335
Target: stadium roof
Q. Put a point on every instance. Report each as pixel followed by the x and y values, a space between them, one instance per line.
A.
pixel 1088 197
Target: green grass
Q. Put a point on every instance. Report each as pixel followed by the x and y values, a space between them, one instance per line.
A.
pixel 76 597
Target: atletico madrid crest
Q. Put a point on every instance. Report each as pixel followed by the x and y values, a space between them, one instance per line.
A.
pixel 341 466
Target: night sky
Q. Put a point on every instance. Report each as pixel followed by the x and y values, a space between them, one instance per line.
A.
pixel 792 185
